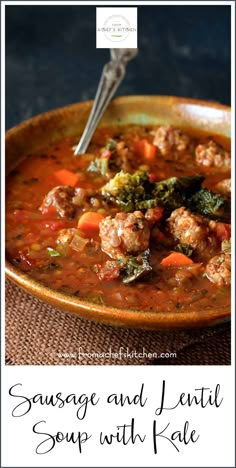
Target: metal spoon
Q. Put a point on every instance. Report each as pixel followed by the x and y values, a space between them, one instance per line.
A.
pixel 112 75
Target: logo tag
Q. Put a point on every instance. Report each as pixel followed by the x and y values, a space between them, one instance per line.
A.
pixel 116 28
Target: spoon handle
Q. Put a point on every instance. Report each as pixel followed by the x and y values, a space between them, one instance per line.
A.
pixel 112 75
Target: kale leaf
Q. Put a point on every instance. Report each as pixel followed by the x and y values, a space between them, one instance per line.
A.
pixel 102 165
pixel 136 192
pixel 210 204
pixel 185 249
pixel 136 267
pixel 174 192
pixel 130 191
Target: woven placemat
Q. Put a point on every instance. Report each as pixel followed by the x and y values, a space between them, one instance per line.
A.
pixel 38 334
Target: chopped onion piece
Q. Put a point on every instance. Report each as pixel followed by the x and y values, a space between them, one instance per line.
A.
pixel 78 243
pixel 79 197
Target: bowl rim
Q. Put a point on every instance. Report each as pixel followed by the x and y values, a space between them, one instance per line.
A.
pixel 107 314
pixel 174 99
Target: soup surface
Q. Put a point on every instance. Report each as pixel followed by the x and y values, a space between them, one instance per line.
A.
pixel 141 221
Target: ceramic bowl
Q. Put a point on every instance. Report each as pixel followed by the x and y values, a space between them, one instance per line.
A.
pixel 45 129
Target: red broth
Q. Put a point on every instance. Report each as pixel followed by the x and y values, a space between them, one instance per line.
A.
pixel 32 237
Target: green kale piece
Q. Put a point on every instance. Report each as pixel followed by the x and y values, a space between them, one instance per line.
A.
pixel 136 267
pixel 130 191
pixel 174 192
pixel 111 145
pixel 184 249
pixel 210 204
pixel 101 165
pixel 136 192
pixel 52 252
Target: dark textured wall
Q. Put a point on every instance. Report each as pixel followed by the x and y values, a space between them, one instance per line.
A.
pixel 52 60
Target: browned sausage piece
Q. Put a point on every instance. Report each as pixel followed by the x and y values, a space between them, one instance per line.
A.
pixel 192 229
pixel 169 138
pixel 125 234
pixel 154 215
pixel 124 159
pixel 211 154
pixel 218 270
pixel 61 198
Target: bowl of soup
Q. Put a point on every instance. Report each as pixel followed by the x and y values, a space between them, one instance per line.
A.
pixel 134 233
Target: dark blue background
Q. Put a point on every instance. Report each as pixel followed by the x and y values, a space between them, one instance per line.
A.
pixel 52 60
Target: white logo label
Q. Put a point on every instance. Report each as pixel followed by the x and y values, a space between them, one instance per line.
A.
pixel 116 28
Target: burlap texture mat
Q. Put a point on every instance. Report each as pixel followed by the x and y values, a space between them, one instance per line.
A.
pixel 38 334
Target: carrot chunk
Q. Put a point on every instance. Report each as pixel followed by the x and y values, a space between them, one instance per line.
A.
pixel 176 259
pixel 146 149
pixel 66 177
pixel 89 222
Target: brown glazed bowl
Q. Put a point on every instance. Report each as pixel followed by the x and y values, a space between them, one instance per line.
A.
pixel 47 128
